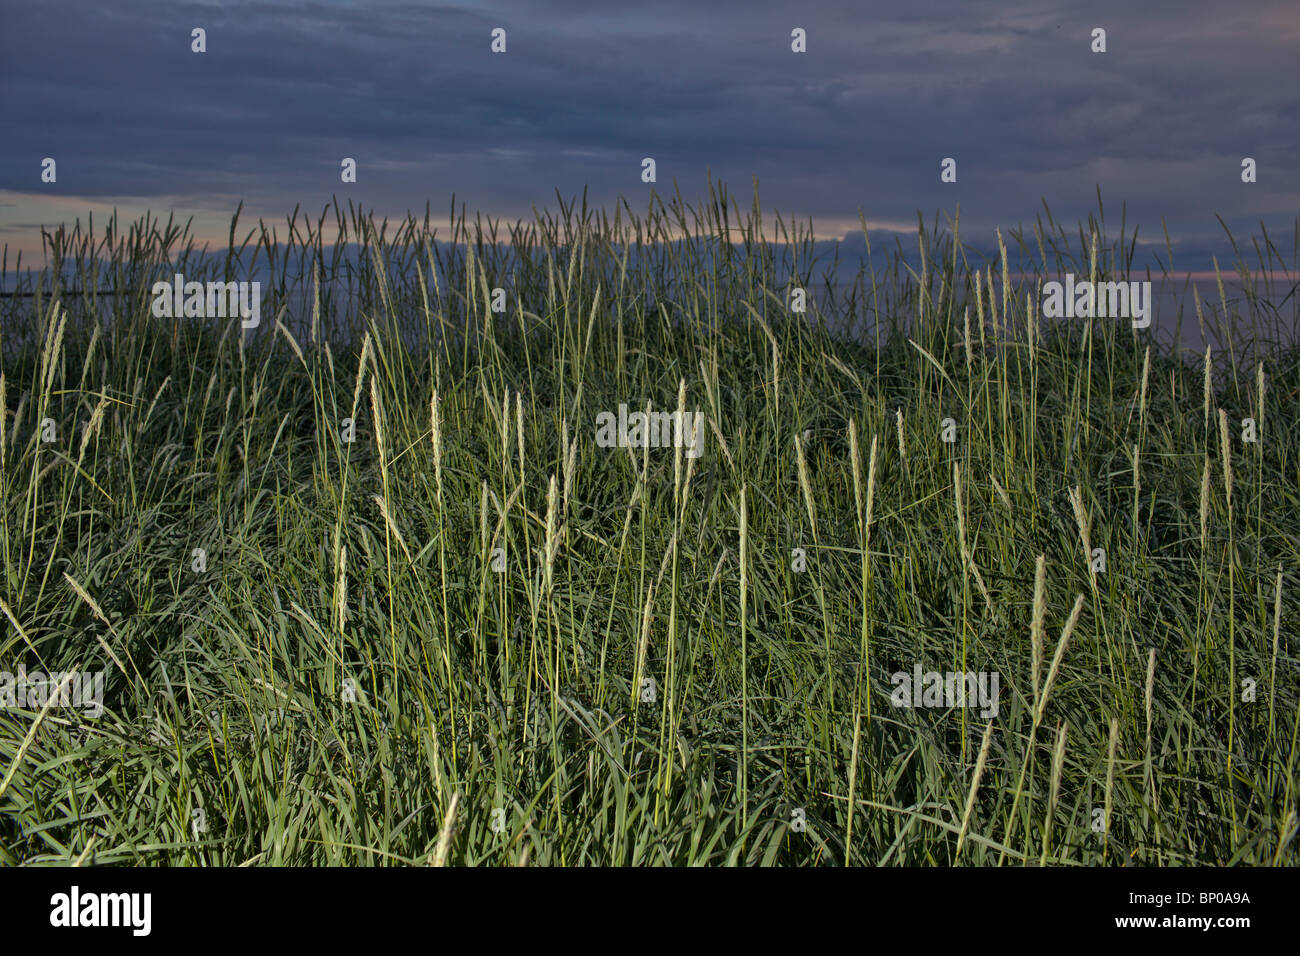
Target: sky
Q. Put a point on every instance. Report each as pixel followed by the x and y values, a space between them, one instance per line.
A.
pixel 857 125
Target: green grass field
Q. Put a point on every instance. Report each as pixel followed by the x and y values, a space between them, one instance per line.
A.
pixel 472 635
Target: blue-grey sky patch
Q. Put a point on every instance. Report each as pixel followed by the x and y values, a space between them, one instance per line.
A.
pixel 859 123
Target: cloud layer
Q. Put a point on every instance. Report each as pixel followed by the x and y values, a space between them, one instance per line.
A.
pixel 1009 88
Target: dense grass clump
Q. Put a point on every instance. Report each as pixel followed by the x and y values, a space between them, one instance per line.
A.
pixel 474 635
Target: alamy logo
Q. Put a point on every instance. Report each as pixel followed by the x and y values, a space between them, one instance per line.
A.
pixel 102 909
pixel 953 689
pixel 178 298
pixel 651 429
pixel 1088 300
pixel 81 689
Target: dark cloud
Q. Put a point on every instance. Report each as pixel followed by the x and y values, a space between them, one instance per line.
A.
pixel 1007 87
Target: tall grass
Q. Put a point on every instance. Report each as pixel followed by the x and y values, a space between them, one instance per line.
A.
pixel 649 680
